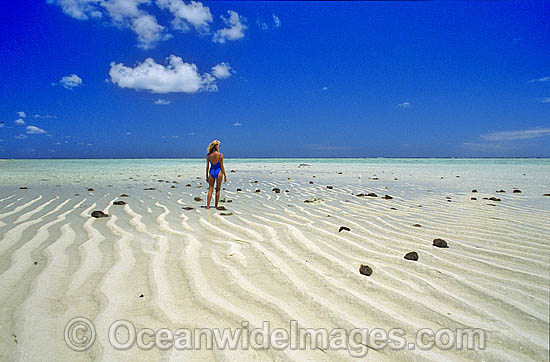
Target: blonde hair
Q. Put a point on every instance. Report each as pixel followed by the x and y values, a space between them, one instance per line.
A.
pixel 212 146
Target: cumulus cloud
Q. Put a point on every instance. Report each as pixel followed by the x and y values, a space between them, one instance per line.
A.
pixel 222 70
pixel 162 102
pixel 545 100
pixel 324 88
pixel 234 30
pixel 194 14
pixel 20 136
pixel 543 79
pixel 21 114
pixel 19 122
pixel 70 81
pixel 237 124
pixel 122 13
pixel 34 130
pixel 276 21
pixel 404 105
pixel 176 76
pixel 44 116
pixel 517 135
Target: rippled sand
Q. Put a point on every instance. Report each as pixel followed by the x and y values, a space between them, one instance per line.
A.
pixel 277 258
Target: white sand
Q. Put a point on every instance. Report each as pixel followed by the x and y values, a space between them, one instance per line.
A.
pixel 278 259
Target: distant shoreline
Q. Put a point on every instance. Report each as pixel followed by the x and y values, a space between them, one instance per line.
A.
pixel 290 157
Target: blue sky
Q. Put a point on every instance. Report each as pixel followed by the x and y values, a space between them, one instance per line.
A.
pixel 162 78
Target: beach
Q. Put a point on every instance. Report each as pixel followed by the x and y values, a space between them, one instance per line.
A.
pixel 288 247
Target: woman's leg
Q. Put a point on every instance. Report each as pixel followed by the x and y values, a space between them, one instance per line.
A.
pixel 218 187
pixel 210 189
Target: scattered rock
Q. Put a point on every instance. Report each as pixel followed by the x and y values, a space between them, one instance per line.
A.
pixel 311 182
pixel 119 202
pixel 35 263
pixel 232 171
pixel 174 182
pixel 172 187
pixel 226 213
pixel 149 189
pixel 98 214
pixel 440 243
pixel 361 195
pixel 258 190
pixel 238 190
pixel 23 188
pixel 187 208
pixel 372 194
pixel 90 189
pixel 492 198
pixel 417 225
pixel 339 173
pixel 393 208
pixel 365 270
pixel 123 195
pixel 546 195
pixel 516 191
pixel 473 198
pixel 387 197
pixel 448 197
pixel 287 190
pixel 221 208
pixel 276 190
pixel 329 187
pixel 413 255
pixel 474 190
pixel 491 205
pixel 344 228
pixel 303 165
pixel 313 199
pixel 501 191
pixel 141 295
pixel 375 178
pixel 256 181
pixel 197 198
pixel 188 185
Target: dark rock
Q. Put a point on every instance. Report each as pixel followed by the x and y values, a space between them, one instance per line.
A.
pixel 329 187
pixel 149 189
pixel 197 198
pixel 493 198
pixel 344 228
pixel 172 187
pixel 365 270
pixel 448 197
pixel 393 208
pixel 311 182
pixel 474 190
pixel 339 173
pixel 395 179
pixel 123 195
pixel 473 198
pixel 141 295
pixel 90 189
pixel 120 202
pixel 546 195
pixel 387 197
pixel 256 181
pixel 361 195
pixel 239 190
pixel 187 208
pixel 226 213
pixel 35 263
pixel 372 194
pixel 303 165
pixel 188 185
pixel 313 199
pixel 417 225
pixel 491 205
pixel 375 178
pixel 23 188
pixel 276 190
pixel 174 182
pixel 413 255
pixel 516 191
pixel 501 191
pixel 287 190
pixel 98 214
pixel 221 208
pixel 258 190
pixel 440 243
pixel 232 171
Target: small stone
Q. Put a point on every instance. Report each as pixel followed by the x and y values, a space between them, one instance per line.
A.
pixel 474 190
pixel 365 270
pixel 287 190
pixel 329 187
pixel 276 190
pixel 417 225
pixel 393 208
pixel 258 190
pixel 98 214
pixel 413 255
pixel 375 178
pixel 311 182
pixel 238 190
pixel 516 191
pixel 187 208
pixel 90 189
pixel 149 189
pixel 473 198
pixel 232 171
pixel 23 188
pixel 372 194
pixel 141 295
pixel 221 208
pixel 501 191
pixel 546 195
pixel 256 181
pixel 344 228
pixel 188 185
pixel 197 198
pixel 35 263
pixel 387 197
pixel 123 195
pixel 440 243
pixel 339 173
pixel 226 213
pixel 361 195
pixel 172 187
pixel 312 200
pixel 120 202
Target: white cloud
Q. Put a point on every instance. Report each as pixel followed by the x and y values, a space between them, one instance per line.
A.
pixel 79 9
pixel 235 28
pixel 34 130
pixel 222 70
pixel 176 76
pixel 404 105
pixel 194 14
pixel 20 136
pixel 44 116
pixel 324 88
pixel 19 122
pixel 262 24
pixel 545 100
pixel 276 21
pixel 543 79
pixel 71 81
pixel 149 32
pixel 162 102
pixel 21 114
pixel 517 135
pixel 237 124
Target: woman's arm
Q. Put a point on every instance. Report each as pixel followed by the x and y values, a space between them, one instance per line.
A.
pixel 223 168
pixel 207 167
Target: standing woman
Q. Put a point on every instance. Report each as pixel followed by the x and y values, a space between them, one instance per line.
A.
pixel 214 170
